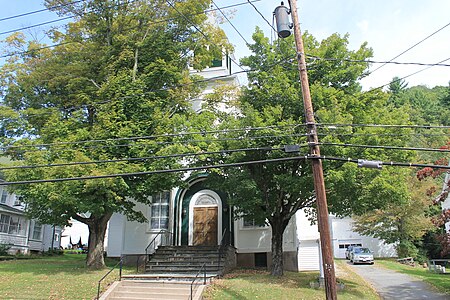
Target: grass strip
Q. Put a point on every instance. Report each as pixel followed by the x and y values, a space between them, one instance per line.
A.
pixel 440 281
pixel 55 277
pixel 244 284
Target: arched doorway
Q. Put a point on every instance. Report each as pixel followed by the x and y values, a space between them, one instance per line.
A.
pixel 205 218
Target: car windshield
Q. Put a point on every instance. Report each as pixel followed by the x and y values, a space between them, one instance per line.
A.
pixel 362 250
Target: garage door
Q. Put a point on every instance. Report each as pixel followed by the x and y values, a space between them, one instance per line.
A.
pixel 343 244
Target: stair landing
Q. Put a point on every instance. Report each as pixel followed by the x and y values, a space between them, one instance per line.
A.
pixel 152 290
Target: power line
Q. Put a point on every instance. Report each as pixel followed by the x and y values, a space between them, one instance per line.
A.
pixel 262 16
pixel 387 163
pixel 202 33
pixel 377 62
pixel 64 18
pixel 78 1
pixel 240 138
pixel 284 159
pixel 225 16
pixel 384 147
pixel 148 23
pixel 169 143
pixel 183 155
pixel 36 25
pixel 160 89
pixel 247 129
pixel 40 10
pixel 159 136
pixel 416 44
pixel 383 134
pixel 207 167
pixel 409 75
pixel 131 159
pixel 332 125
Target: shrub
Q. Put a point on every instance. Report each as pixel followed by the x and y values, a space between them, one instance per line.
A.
pixel 4 249
pixel 53 252
pixel 407 249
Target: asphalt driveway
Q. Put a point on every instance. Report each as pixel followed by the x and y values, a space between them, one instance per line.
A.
pixel 393 285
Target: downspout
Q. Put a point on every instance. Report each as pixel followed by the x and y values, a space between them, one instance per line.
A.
pixel 27 235
pixel 53 238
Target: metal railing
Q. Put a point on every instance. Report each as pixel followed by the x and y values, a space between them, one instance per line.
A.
pixel 120 263
pixel 203 267
pixel 222 247
pixel 162 238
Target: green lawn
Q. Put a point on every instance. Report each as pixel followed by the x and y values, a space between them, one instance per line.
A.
pixel 440 281
pixel 251 284
pixel 55 277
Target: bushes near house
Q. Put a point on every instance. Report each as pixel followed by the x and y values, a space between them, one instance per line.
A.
pixel 4 249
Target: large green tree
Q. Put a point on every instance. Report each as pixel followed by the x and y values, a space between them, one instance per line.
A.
pixel 118 70
pixel 402 223
pixel 271 116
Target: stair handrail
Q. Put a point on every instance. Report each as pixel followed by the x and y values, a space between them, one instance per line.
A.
pixel 154 241
pixel 119 263
pixel 221 250
pixel 203 267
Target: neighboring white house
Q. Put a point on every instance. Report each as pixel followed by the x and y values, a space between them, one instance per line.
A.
pixel 342 236
pixel 198 215
pixel 21 234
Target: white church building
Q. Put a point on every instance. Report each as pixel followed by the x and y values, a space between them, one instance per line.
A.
pixel 198 215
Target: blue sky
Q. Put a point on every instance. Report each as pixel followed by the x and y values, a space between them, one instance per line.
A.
pixel 389 27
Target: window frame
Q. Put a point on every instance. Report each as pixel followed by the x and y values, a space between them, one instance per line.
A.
pixel 13 224
pixel 157 203
pixel 5 220
pixel 4 197
pixel 33 231
pixel 253 226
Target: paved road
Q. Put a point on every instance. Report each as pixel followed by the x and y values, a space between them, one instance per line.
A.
pixel 393 285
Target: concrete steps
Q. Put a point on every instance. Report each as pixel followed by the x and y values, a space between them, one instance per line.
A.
pixel 184 261
pixel 168 275
pixel 148 290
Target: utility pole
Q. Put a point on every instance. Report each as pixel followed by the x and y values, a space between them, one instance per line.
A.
pixel 319 185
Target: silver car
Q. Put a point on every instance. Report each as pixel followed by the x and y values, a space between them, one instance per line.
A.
pixel 361 255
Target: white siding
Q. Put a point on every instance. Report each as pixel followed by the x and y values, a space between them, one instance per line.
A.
pixel 308 250
pixel 48 237
pixel 342 232
pixel 306 230
pixel 258 239
pixel 308 255
pixel 116 228
pixel 128 237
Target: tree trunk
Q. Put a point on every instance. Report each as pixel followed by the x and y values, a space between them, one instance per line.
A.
pixel 276 268
pixel 97 231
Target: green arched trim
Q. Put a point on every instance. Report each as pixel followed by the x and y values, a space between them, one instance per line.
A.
pixel 190 181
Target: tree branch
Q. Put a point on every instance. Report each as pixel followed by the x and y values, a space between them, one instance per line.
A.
pixel 81 219
pixel 95 83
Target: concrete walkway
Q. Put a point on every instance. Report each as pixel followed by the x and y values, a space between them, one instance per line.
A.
pixel 393 285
